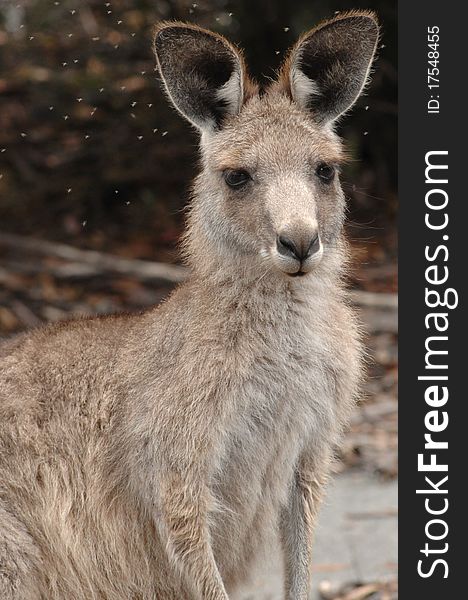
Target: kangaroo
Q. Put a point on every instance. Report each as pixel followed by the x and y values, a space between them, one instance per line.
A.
pixel 155 456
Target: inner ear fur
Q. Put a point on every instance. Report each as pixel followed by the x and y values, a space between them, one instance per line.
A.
pixel 328 67
pixel 205 75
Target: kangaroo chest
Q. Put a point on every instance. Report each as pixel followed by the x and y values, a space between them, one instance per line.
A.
pixel 284 404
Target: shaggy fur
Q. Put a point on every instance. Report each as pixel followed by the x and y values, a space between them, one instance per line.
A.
pixel 152 456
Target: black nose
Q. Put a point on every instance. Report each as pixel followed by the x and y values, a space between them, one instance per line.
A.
pixel 301 248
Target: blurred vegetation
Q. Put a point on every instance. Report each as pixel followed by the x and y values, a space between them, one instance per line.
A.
pixel 90 152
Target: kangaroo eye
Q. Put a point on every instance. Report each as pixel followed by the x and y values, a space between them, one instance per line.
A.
pixel 325 173
pixel 235 178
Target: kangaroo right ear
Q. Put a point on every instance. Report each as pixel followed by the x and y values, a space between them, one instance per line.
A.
pixel 328 67
pixel 203 73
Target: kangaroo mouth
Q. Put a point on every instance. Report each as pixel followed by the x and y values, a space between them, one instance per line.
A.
pixel 299 273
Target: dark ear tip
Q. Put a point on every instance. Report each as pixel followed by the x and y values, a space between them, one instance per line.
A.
pixel 160 26
pixel 364 15
pixel 366 19
pixel 176 29
pixel 166 30
pixel 159 32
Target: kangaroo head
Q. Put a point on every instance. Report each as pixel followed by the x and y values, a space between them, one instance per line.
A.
pixel 269 187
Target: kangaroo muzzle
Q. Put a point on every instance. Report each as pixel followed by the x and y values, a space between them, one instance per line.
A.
pixel 298 248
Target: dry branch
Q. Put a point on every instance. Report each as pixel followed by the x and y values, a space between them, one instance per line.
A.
pixel 375 300
pixel 96 262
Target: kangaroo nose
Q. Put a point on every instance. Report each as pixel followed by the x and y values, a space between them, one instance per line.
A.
pixel 300 247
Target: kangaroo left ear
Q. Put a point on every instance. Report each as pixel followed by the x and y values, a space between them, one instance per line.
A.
pixel 204 75
pixel 327 69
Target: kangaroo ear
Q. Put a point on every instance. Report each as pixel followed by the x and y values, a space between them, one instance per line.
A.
pixel 203 73
pixel 327 69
